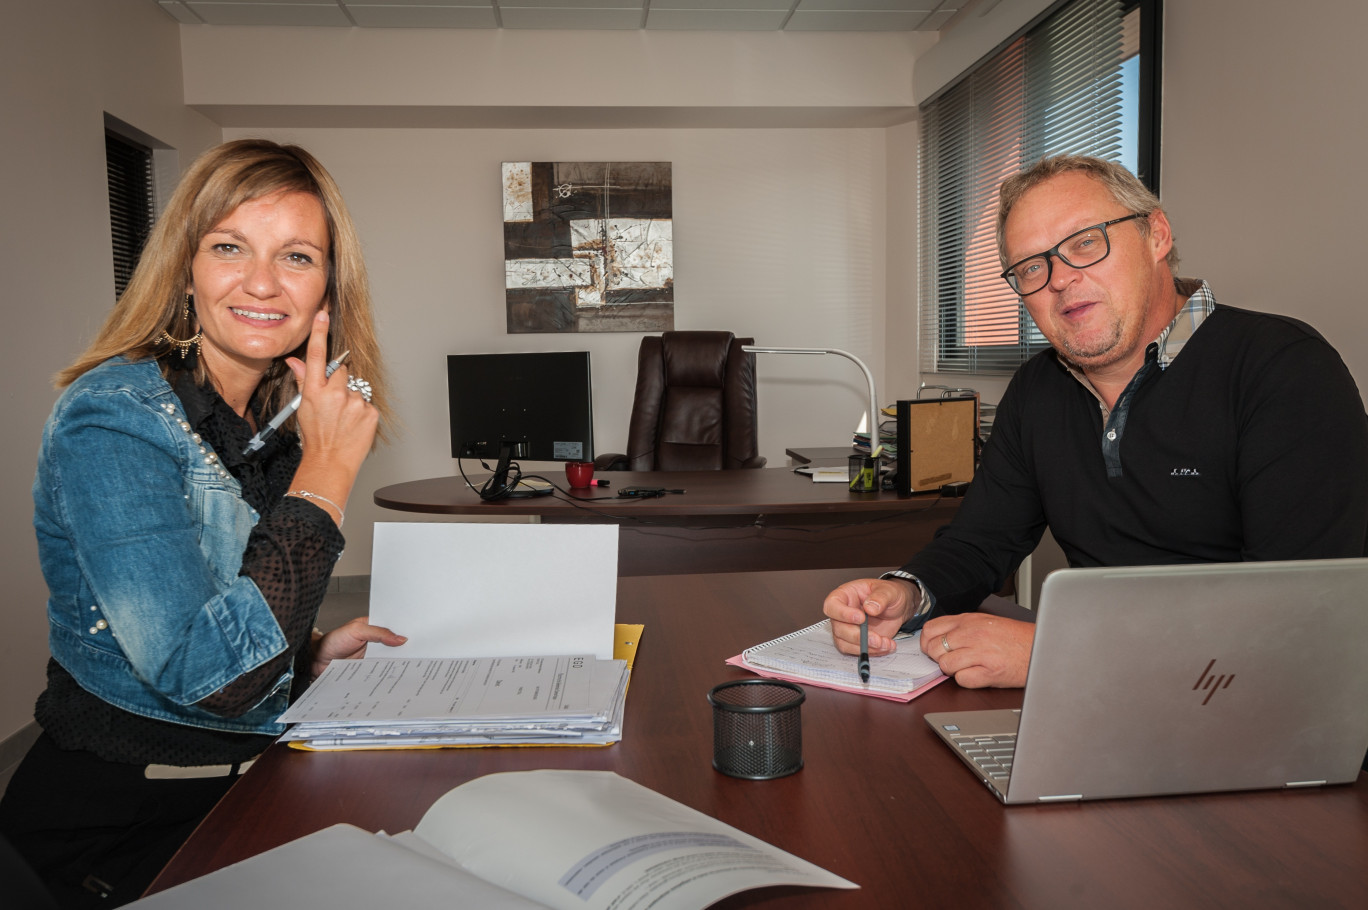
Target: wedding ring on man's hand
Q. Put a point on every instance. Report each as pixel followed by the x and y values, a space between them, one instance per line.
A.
pixel 357 384
pixel 945 643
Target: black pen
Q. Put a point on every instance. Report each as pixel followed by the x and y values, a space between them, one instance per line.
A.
pixel 864 651
pixel 256 442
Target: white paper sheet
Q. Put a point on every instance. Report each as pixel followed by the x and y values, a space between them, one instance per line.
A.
pixel 461 589
pixel 403 691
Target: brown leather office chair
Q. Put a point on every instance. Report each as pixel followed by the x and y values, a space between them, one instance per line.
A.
pixel 694 408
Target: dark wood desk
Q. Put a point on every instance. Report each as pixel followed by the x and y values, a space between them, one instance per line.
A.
pixel 725 521
pixel 880 801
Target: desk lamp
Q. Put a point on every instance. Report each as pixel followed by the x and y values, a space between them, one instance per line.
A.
pixel 875 443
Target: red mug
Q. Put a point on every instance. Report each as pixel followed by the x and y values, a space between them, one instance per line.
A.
pixel 579 473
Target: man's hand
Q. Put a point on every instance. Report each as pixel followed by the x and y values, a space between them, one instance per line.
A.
pixel 886 602
pixel 983 650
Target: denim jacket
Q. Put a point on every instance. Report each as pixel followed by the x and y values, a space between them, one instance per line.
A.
pixel 141 534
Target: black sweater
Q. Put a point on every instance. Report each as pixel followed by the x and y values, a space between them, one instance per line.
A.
pixel 1252 445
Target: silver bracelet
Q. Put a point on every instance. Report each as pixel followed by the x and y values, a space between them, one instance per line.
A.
pixel 305 494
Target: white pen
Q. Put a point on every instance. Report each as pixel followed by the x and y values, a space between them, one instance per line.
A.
pixel 266 432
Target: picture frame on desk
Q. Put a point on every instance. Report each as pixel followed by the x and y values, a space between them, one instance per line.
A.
pixel 937 442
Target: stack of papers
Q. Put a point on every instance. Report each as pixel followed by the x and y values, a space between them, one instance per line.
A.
pixel 403 703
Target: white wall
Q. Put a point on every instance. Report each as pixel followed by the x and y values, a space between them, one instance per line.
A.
pixel 902 371
pixel 58 76
pixel 1263 162
pixel 414 71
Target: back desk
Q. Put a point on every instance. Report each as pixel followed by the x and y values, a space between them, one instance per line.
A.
pixel 880 801
pixel 724 521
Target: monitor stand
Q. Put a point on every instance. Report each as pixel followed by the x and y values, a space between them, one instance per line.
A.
pixel 497 485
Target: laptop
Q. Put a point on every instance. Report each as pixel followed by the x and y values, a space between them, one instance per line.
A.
pixel 1155 680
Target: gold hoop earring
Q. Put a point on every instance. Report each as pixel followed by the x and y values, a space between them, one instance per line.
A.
pixel 183 345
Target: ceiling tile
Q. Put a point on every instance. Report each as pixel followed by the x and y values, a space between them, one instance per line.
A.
pixel 306 13
pixel 637 5
pixel 936 21
pixel 717 20
pixel 858 21
pixel 524 17
pixel 679 15
pixel 463 4
pixel 722 6
pixel 180 12
pixel 370 15
pixel 852 6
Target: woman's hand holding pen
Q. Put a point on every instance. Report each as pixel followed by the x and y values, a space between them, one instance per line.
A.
pixel 337 425
pixel 886 602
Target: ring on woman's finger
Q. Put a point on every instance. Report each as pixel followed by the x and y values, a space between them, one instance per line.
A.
pixel 357 384
pixel 945 643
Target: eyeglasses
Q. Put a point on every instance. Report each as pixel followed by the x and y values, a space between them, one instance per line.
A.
pixel 1085 248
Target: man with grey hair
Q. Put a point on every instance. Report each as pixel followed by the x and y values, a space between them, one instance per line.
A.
pixel 1130 453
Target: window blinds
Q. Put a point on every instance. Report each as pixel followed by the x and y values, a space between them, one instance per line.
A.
pixel 131 212
pixel 1056 89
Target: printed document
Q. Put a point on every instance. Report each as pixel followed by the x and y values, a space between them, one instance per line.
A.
pixel 397 702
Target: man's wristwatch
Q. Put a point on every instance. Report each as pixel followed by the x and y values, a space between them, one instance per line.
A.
pixel 925 603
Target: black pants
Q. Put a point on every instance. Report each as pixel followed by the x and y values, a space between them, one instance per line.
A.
pixel 98 832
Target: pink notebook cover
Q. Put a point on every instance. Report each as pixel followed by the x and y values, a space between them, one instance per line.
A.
pixel 739 661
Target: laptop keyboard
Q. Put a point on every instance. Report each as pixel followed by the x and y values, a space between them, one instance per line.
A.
pixel 990 754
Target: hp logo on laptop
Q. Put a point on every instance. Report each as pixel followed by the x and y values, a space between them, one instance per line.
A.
pixel 1210 683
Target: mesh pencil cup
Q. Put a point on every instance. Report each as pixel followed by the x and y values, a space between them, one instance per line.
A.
pixel 757 728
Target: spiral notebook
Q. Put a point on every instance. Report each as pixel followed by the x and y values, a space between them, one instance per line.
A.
pixel 808 656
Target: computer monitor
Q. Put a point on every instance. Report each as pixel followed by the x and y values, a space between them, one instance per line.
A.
pixel 536 406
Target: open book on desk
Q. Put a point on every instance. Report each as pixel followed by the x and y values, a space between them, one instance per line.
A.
pixel 587 840
pixel 808 656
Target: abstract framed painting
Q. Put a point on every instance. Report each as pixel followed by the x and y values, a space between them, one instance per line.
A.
pixel 588 247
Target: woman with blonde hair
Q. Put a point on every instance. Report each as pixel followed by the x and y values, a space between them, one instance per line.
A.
pixel 186 544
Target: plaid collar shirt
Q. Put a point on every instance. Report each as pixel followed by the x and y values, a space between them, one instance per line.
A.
pixel 1196 308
